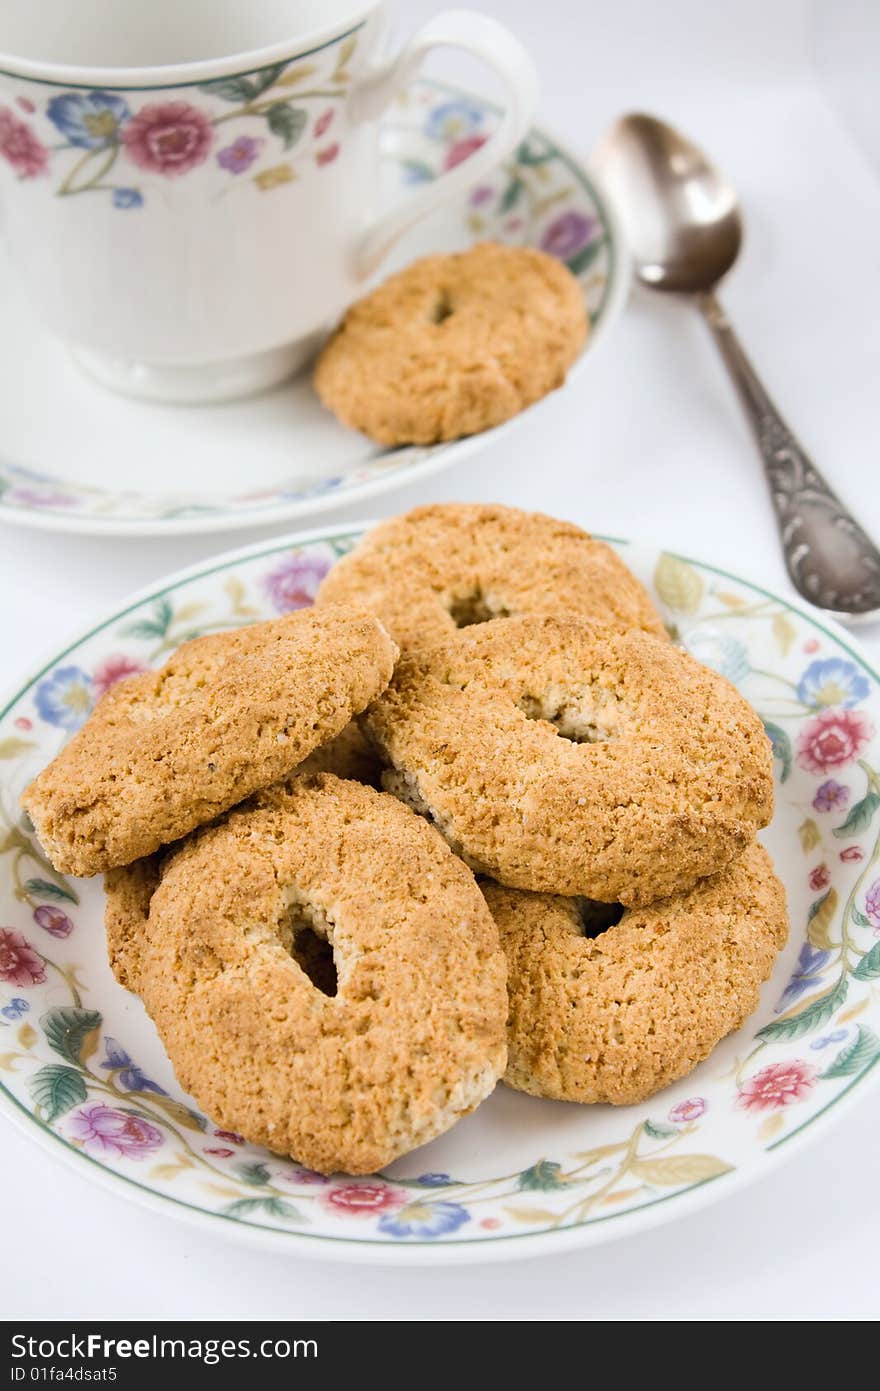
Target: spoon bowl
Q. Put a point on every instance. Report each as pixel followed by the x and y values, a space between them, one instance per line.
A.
pixel 680 214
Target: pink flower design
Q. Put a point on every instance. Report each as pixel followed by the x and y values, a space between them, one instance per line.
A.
pixel 460 150
pixel 689 1110
pixel 20 147
pixel 852 854
pixel 872 904
pixel 491 1224
pixel 220 1152
pixel 168 137
pixel 820 878
pixel 327 155
pixel 322 125
pixel 238 157
pixel 363 1199
pixel 780 1084
pixel 483 194
pixel 23 723
pixel 114 669
pixel 833 738
pixel 812 645
pixel 19 963
pixel 52 920
pixel 568 234
pixel 102 1131
pixel 306 1176
pixel 26 105
pixel 293 583
pixel 229 1135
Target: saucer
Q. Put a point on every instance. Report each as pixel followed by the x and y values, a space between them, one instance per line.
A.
pixel 71 449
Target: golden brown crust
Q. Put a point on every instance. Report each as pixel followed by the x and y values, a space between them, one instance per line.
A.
pixel 415 1036
pixel 227 714
pixel 436 568
pixel 671 783
pixel 617 1017
pixel 453 344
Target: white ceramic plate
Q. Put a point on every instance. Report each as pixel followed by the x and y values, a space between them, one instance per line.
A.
pixel 74 457
pixel 82 1070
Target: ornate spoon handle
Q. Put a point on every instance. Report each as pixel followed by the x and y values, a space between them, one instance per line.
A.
pixel 830 559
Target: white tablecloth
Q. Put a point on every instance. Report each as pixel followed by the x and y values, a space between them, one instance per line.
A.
pixel 649 443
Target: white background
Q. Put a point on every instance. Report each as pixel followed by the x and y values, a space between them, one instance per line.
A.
pixel 648 443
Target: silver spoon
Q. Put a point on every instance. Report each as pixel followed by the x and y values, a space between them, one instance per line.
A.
pixel 685 230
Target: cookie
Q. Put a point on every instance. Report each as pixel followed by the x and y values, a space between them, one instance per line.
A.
pixel 324 973
pixel 614 1015
pixel 453 345
pixel 227 714
pixel 567 759
pixel 439 568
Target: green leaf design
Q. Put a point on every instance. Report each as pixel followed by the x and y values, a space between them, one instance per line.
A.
pixel 234 89
pixel 658 1131
pixel 155 627
pixel 530 154
pixel 819 920
pixel 817 1013
pixel 419 171
pixel 255 1173
pixel 809 835
pixel 66 1028
pixel 781 746
pixel 266 77
pixel 511 196
pixel 288 122
pixel 12 747
pixel 856 1056
pixel 859 918
pixel 43 888
pixel 56 1089
pixel 584 258
pixel 272 1207
pixel 860 816
pixel 541 1177
pixel 869 966
pixel 678 584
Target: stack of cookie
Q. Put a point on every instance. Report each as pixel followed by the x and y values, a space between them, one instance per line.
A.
pixel 564 889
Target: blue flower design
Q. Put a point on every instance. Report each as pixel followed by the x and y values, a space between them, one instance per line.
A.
pixel 15 1009
pixel 433 1180
pixel 420 1220
pixel 130 1074
pixel 722 653
pixel 810 965
pixel 127 198
pixel 90 120
pixel 837 1037
pixel 832 681
pixel 65 698
pixel 453 119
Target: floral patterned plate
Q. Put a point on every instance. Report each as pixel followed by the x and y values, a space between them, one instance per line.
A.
pixel 82 1070
pixel 78 458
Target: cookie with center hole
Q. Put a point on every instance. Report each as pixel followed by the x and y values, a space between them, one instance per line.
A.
pixel 569 759
pixel 227 714
pixel 324 973
pixel 448 566
pixel 612 1007
pixel 453 344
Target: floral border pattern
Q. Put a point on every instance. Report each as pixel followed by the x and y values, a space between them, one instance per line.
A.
pixel 540 198
pixel 78 1065
pixel 106 142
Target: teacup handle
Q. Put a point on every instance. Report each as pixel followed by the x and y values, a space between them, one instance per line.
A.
pixel 485 38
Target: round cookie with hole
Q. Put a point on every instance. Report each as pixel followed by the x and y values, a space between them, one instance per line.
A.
pixel 448 566
pixel 324 973
pixel 567 759
pixel 453 345
pixel 608 1005
pixel 226 715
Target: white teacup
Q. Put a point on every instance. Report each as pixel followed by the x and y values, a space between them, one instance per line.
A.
pixel 189 191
